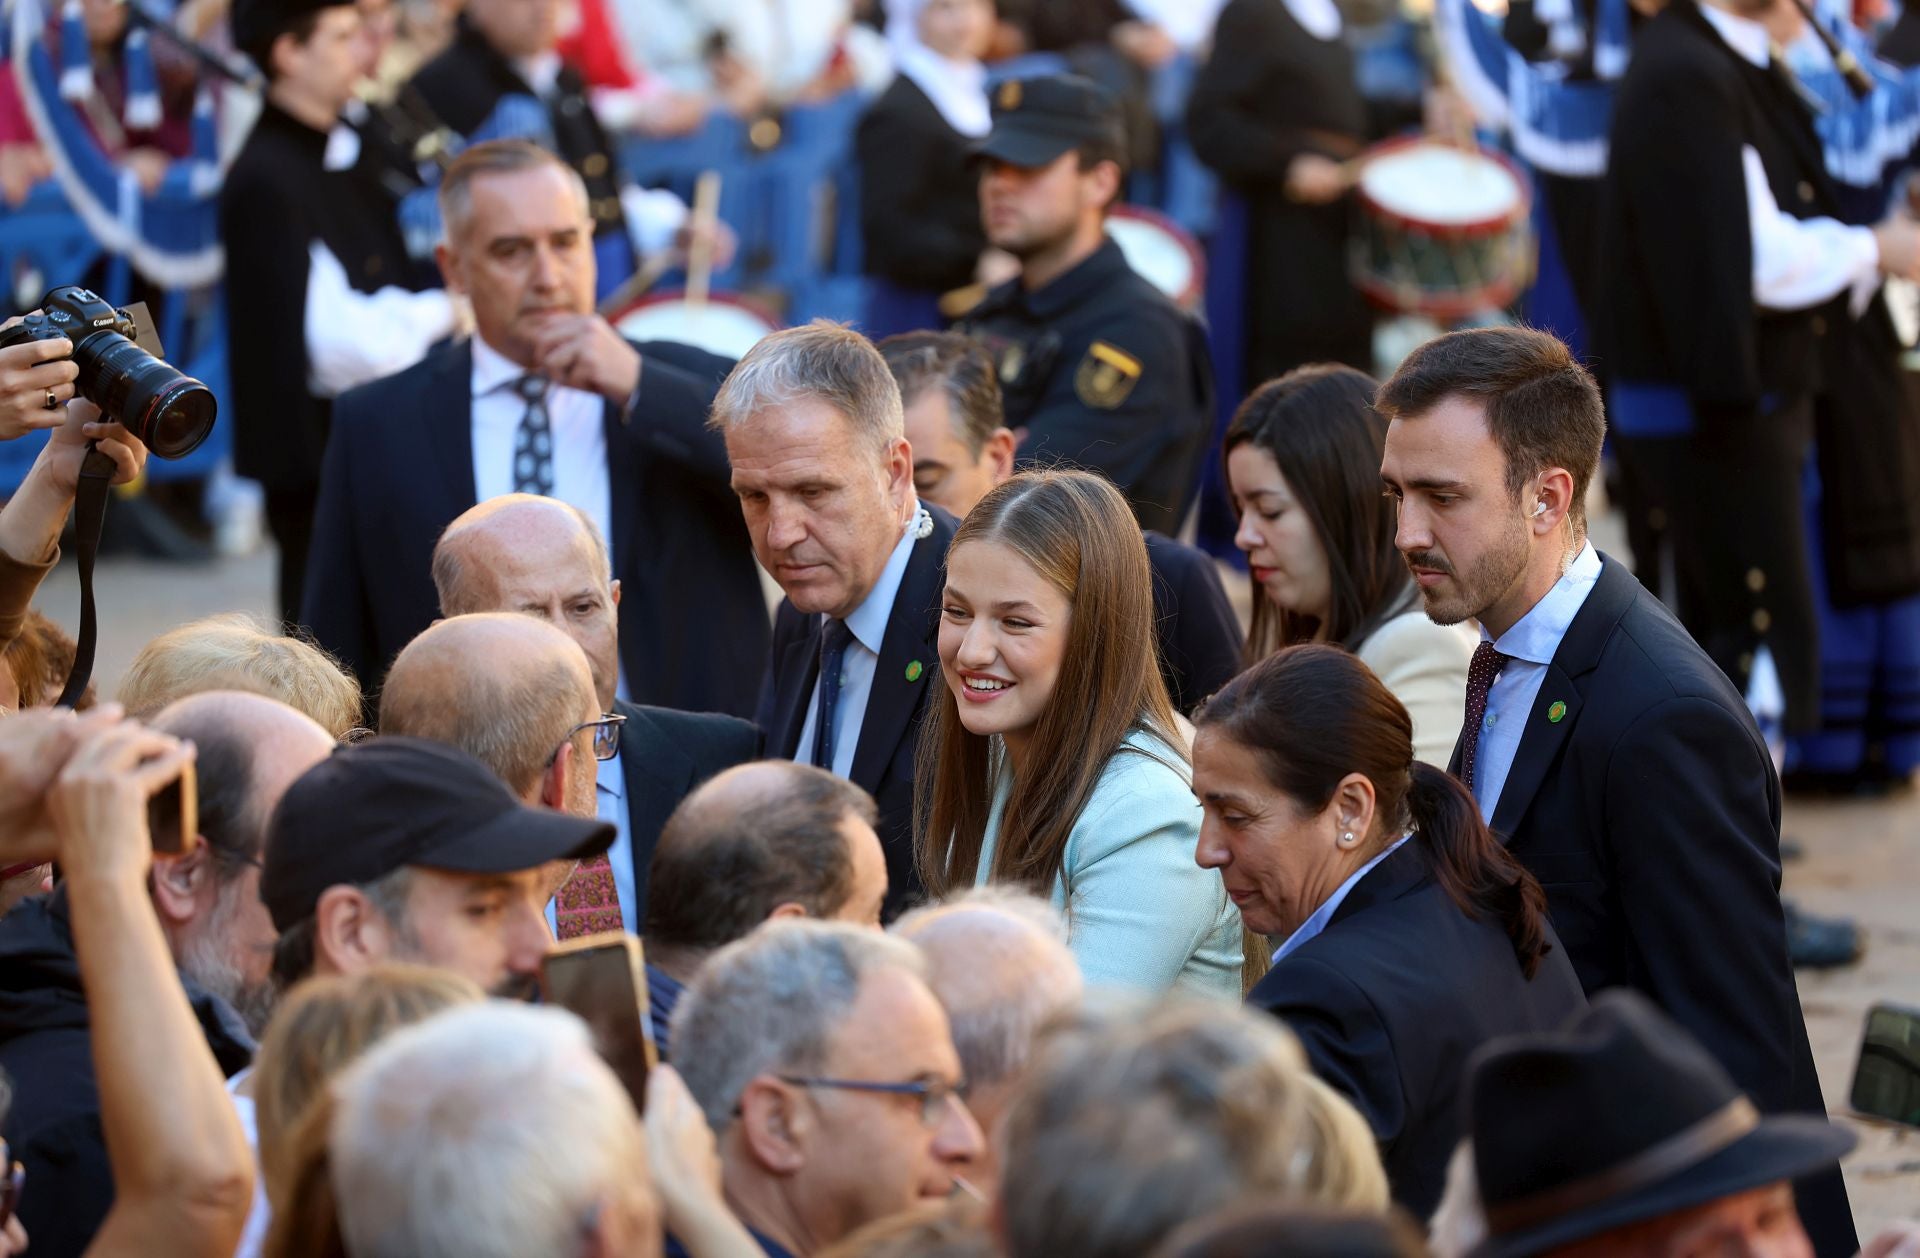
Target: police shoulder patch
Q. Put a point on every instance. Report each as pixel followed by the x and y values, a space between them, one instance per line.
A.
pixel 1105 376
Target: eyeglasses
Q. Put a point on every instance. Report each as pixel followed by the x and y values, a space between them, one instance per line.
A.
pixel 932 1093
pixel 12 1184
pixel 606 736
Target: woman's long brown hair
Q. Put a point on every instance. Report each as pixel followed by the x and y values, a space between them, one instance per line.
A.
pixel 1076 531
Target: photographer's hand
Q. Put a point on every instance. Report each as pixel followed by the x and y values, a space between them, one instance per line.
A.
pixel 31 521
pixel 684 1163
pixel 32 388
pixel 99 802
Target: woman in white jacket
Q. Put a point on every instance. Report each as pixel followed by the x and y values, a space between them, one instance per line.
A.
pixel 1303 466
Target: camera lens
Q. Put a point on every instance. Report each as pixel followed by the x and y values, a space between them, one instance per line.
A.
pixel 170 412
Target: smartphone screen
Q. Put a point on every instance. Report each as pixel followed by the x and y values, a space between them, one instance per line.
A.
pixel 1886 1083
pixel 602 979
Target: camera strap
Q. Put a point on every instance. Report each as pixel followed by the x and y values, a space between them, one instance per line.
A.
pixel 89 514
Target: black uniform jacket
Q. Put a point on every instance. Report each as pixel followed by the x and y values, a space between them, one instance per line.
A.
pixel 1104 372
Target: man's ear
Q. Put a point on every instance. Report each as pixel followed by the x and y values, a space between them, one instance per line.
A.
pixel 774 1126
pixel 1553 502
pixel 788 909
pixel 553 783
pixel 999 452
pixel 179 881
pixel 613 592
pixel 447 258
pixel 350 935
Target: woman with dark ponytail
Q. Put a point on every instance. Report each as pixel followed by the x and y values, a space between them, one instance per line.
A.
pixel 1405 936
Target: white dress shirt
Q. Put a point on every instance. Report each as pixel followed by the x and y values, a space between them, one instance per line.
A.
pixel 578 419
pixel 1529 646
pixel 1311 928
pixel 1797 262
pixel 869 625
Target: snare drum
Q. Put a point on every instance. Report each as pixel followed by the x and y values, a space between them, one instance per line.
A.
pixel 1443 231
pixel 1161 252
pixel 724 324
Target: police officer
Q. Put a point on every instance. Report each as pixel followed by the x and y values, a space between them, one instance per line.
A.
pixel 1099 369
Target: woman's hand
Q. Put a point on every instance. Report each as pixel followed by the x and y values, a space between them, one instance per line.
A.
pixel 1315 180
pixel 67 448
pixel 36 380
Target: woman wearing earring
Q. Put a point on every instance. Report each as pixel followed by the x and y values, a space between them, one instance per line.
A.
pixel 1409 936
pixel 1303 467
pixel 1053 762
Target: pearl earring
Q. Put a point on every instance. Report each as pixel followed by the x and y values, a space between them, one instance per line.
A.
pixel 1346 840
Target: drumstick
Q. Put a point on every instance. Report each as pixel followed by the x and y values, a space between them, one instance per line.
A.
pixel 958 301
pixel 646 277
pixel 706 211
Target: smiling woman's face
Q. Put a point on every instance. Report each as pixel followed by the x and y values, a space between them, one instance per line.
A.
pixel 1003 638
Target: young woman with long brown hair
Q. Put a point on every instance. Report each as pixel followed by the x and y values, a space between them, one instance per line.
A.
pixel 1053 761
pixel 1303 468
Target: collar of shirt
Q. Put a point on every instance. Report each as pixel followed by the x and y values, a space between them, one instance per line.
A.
pixel 541 71
pixel 1318 18
pixel 493 371
pixel 1536 635
pixel 1314 925
pixel 869 620
pixel 1067 290
pixel 1746 37
pixel 610 776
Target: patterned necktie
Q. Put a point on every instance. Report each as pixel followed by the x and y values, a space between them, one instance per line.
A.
pixel 589 902
pixel 533 441
pixel 834 637
pixel 1486 666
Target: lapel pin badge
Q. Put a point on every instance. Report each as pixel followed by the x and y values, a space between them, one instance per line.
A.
pixel 1556 711
pixel 914 670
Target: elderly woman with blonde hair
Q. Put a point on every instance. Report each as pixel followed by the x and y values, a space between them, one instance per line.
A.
pixel 235 651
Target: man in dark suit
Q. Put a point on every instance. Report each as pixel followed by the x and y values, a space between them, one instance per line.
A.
pixel 1604 746
pixel 962 448
pixel 545 398
pixel 812 423
pixel 542 558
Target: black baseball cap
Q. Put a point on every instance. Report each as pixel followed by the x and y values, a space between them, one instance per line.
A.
pixel 1036 120
pixel 393 802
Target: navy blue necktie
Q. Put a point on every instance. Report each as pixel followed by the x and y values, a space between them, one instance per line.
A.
pixel 834 637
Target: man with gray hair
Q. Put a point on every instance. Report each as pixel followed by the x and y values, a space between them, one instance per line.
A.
pixel 814 434
pixel 544 559
pixel 545 398
pixel 758 843
pixel 998 960
pixel 827 1069
pixel 491 1130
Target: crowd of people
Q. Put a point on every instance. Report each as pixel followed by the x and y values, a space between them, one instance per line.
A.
pixel 999 892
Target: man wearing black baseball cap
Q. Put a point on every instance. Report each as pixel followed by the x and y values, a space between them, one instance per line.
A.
pixel 1099 368
pixel 1620 1135
pixel 407 850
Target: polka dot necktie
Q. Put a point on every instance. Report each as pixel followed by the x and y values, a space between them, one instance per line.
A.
pixel 1486 666
pixel 533 441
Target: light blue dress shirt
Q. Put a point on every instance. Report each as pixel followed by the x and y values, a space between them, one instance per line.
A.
pixel 1311 928
pixel 862 656
pixel 610 797
pixel 1529 645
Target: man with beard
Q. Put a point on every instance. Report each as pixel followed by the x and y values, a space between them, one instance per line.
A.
pixel 1604 746
pixel 205 891
pixel 401 849
pixel 1099 369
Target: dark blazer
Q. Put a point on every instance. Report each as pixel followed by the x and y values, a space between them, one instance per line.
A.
pixel 1392 1030
pixel 1199 635
pixel 883 761
pixel 1650 812
pixel 663 755
pixel 399 468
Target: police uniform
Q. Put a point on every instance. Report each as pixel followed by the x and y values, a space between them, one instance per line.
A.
pixel 1098 367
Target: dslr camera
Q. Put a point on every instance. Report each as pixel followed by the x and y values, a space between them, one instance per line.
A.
pixel 118 353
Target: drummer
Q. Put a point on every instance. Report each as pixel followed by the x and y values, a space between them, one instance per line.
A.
pixel 1100 370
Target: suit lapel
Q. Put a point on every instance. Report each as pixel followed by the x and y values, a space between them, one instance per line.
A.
pixel 796 669
pixel 656 773
pixel 624 466
pixel 1579 653
pixel 449 422
pixel 912 638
